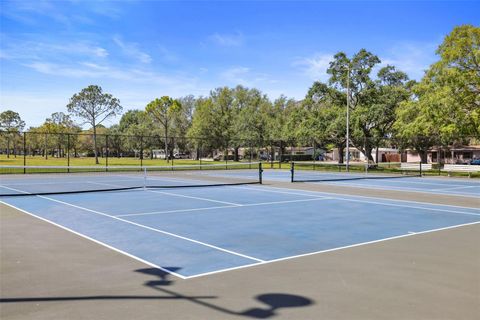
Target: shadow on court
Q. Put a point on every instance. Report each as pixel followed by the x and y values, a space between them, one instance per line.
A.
pixel 273 301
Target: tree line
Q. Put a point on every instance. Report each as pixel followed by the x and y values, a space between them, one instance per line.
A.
pixel 443 108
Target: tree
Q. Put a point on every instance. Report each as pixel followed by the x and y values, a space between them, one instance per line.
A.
pixel 356 73
pixel 12 124
pixel 163 110
pixel 58 126
pixel 137 126
pixel 327 116
pixel 454 81
pixel 94 106
pixel 445 105
pixel 212 123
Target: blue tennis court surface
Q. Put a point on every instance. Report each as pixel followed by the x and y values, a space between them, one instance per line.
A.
pixel 438 185
pixel 196 231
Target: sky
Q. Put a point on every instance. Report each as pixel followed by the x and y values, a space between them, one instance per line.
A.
pixel 141 50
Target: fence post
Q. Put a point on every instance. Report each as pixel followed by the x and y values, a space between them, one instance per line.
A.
pixel 272 154
pixel 68 152
pixel 280 155
pixel 24 152
pixel 106 152
pixel 225 154
pixel 141 151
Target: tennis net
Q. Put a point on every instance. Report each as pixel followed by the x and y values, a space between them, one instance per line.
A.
pixel 49 180
pixel 324 171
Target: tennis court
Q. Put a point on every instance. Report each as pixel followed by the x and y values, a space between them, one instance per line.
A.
pixel 190 232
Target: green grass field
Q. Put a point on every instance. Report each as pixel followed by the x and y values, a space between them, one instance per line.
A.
pixel 90 161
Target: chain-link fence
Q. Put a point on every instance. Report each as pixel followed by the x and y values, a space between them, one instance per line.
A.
pixel 77 149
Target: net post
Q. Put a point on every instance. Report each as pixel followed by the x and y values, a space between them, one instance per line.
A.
pixel 260 173
pixel 292 171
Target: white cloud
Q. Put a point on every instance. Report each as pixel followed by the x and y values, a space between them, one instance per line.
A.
pixel 315 67
pixel 227 40
pixel 33 50
pixel 131 49
pixel 244 76
pixel 412 58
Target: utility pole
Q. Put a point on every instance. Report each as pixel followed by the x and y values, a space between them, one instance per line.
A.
pixel 348 117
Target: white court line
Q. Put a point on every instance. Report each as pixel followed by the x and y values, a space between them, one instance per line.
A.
pixel 97 242
pixel 222 207
pixel 196 198
pixel 153 229
pixel 352 198
pixel 149 228
pixel 463 187
pixel 333 249
pixel 262 261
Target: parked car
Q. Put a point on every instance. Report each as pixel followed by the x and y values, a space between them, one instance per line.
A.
pixel 475 162
pixel 180 156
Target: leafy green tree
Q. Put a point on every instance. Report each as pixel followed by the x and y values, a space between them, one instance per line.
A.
pixel 445 106
pixel 58 126
pixel 12 124
pixel 94 107
pixel 327 116
pixel 212 122
pixel 139 130
pixel 251 109
pixel 355 73
pixel 163 110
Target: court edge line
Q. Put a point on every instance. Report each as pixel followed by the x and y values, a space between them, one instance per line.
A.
pixel 336 195
pixel 154 229
pixel 333 249
pixel 95 241
pixel 222 207
pixel 405 189
pixel 454 188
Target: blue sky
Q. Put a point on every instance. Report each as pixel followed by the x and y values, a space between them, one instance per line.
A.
pixel 140 50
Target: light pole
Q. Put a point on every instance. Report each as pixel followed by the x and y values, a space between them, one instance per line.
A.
pixel 348 117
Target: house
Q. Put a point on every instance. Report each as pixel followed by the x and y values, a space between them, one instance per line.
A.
pixel 460 154
pixel 384 155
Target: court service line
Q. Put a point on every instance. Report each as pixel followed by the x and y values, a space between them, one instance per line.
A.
pixel 336 196
pixel 153 229
pixel 196 198
pixel 96 241
pixel 222 207
pixel 334 249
